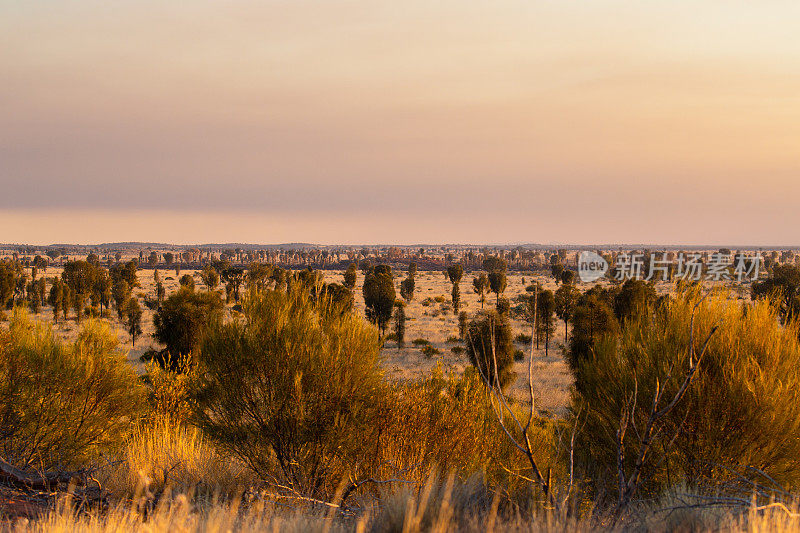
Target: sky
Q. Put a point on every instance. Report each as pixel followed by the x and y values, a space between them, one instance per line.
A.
pixel 346 122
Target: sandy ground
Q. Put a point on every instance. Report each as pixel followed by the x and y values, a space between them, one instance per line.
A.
pixel 434 322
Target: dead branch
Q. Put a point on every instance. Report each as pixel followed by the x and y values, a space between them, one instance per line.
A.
pixel 629 483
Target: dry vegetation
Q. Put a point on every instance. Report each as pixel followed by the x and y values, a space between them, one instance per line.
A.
pixel 295 415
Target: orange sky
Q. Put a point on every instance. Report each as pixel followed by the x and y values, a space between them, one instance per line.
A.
pixel 332 121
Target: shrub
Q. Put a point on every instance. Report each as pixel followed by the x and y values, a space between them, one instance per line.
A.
pixel 62 404
pixel 522 338
pixel 457 350
pixel 430 351
pixel 742 410
pixel 519 355
pixel 420 342
pixel 292 390
pixel 490 346
pixel 168 390
pixel 452 339
pixel 183 320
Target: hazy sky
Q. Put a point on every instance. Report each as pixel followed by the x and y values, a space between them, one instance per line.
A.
pixel 413 121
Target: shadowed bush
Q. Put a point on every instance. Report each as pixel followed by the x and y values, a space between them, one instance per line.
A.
pixel 742 410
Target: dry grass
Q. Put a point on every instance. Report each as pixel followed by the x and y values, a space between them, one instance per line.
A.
pixel 165 454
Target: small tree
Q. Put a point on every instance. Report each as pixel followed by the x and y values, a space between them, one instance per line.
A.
pixel 400 322
pixel 133 319
pixel 350 276
pixel 462 324
pixel 187 281
pixel 565 298
pixel 210 277
pixel 234 277
pixel 379 296
pixel 121 292
pixel 480 285
pixel 545 324
pixel 407 287
pixel 497 283
pixel 56 298
pixel 490 347
pixel 455 273
pixel 183 320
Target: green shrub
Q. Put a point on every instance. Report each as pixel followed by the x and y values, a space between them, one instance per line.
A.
pixel 293 390
pixel 522 338
pixel 490 346
pixel 63 404
pixel 742 410
pixel 183 320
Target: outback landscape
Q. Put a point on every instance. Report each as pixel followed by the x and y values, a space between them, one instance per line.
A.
pixel 498 396
pixel 370 266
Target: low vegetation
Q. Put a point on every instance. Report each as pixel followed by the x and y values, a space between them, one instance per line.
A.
pixel 685 410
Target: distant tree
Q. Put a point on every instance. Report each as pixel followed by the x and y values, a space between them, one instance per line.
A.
pixel 565 298
pixel 152 259
pixel 93 259
pixel 480 285
pixel 258 274
pixel 400 322
pixel 545 323
pixel 126 272
pixel 783 286
pixel 10 271
pixel 182 322
pixel 133 319
pixel 53 254
pixel 462 324
pixel 233 277
pixel 41 290
pixel 80 277
pixel 567 276
pixel 121 291
pixel 497 283
pixel 379 296
pixel 412 268
pixel 210 277
pixel 102 290
pixel 187 281
pixel 278 277
pixel 168 258
pixel 455 273
pixel 407 287
pixel 33 297
pixel 350 276
pixel 67 301
pixel 495 264
pixel 503 306
pixel 556 269
pixel 56 298
pixel 161 293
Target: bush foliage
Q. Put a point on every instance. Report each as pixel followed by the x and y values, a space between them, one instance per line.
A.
pixel 63 403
